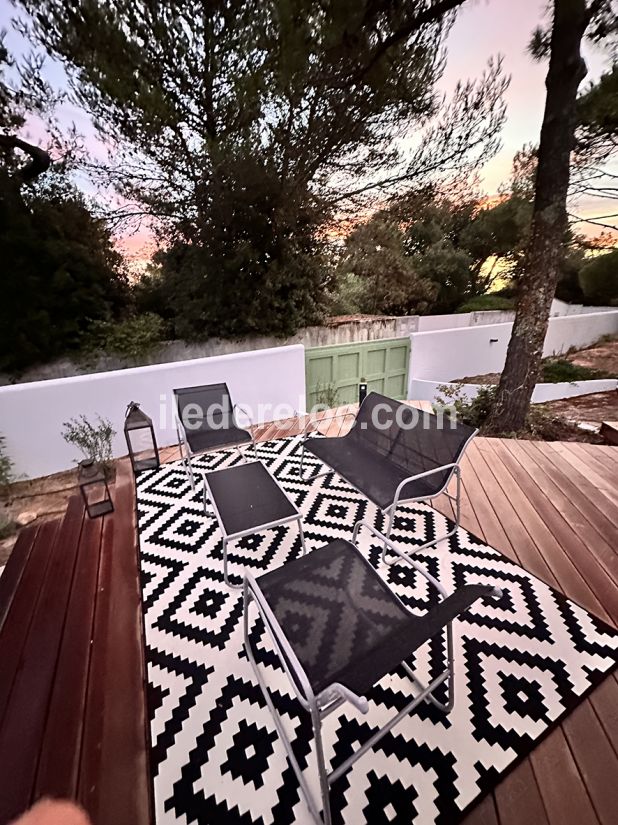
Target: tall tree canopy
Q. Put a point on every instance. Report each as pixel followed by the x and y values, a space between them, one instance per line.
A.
pixel 60 270
pixel 242 126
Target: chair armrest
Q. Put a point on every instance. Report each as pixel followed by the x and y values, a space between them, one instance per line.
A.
pixel 454 468
pixel 496 592
pixel 289 660
pixel 389 543
pixel 306 434
pixel 243 410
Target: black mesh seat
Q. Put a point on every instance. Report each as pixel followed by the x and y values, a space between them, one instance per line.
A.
pixel 337 629
pixel 206 421
pixel 205 440
pixel 393 444
pixel 343 621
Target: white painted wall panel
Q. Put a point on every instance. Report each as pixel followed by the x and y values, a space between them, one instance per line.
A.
pixel 270 381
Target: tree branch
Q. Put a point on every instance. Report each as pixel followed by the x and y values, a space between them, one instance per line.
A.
pixel 40 162
pixel 429 15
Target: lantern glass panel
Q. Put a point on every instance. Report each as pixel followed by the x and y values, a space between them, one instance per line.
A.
pixel 94 490
pixel 143 449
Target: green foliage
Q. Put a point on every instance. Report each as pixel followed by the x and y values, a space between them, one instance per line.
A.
pixel 472 411
pixel 376 256
pixel 132 338
pixel 482 303
pixel 243 127
pixel 6 465
pixel 7 527
pixel 60 272
pixel 555 370
pixel 93 440
pixel 326 396
pixel 599 279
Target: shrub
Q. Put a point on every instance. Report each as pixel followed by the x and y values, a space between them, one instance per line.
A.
pixel 93 440
pixel 6 466
pixel 599 279
pixel 7 527
pixel 555 370
pixel 483 303
pixel 132 338
pixel 473 411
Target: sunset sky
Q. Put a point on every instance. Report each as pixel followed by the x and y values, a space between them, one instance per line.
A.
pixel 483 28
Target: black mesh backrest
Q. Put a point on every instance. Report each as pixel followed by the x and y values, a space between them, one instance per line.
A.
pixel 205 408
pixel 415 440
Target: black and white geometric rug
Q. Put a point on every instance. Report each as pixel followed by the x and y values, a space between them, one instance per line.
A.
pixel 521 664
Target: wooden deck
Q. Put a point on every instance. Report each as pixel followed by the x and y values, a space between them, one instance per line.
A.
pixel 73 720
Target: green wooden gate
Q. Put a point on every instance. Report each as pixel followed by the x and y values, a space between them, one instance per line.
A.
pixel 333 373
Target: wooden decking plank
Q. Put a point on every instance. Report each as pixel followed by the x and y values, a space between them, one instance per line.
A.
pixel 484 813
pixel 15 630
pixel 587 467
pixel 600 547
pixel 604 700
pixel 596 760
pixel 518 798
pixel 493 531
pixel 26 713
pixel 570 578
pixel 585 486
pixel 527 553
pixel 602 455
pixel 529 804
pixel 595 517
pixel 14 569
pixel 564 794
pixel 561 524
pixel 61 747
pixel 114 784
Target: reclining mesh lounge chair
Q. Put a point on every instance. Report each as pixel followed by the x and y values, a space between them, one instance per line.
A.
pixel 206 421
pixel 395 454
pixel 354 631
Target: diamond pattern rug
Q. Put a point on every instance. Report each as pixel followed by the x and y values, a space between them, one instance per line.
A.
pixel 521 664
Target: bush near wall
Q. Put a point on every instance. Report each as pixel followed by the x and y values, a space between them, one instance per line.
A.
pixel 599 279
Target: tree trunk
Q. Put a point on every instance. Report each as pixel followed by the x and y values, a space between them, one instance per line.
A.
pixel 549 220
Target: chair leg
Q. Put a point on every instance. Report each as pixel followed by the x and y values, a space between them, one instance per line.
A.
pixel 310 478
pixel 225 574
pixel 434 542
pixel 445 707
pixel 302 536
pixel 313 808
pixel 319 749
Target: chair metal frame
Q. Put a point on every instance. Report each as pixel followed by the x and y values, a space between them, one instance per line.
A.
pixel 332 697
pixel 186 453
pixel 389 512
pixel 228 537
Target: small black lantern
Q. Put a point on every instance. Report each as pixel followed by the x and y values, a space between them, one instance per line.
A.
pixel 362 391
pixel 141 440
pixel 93 484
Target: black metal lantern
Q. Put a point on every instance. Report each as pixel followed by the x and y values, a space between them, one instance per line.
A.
pixel 141 440
pixel 93 484
pixel 362 391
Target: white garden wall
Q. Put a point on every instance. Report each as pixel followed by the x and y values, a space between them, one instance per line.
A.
pixel 453 354
pixel 270 381
pixel 423 390
pixel 579 330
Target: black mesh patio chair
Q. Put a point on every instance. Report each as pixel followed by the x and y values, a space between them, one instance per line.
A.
pixel 337 629
pixel 206 421
pixel 396 454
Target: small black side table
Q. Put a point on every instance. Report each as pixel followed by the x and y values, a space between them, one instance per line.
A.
pixel 246 499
